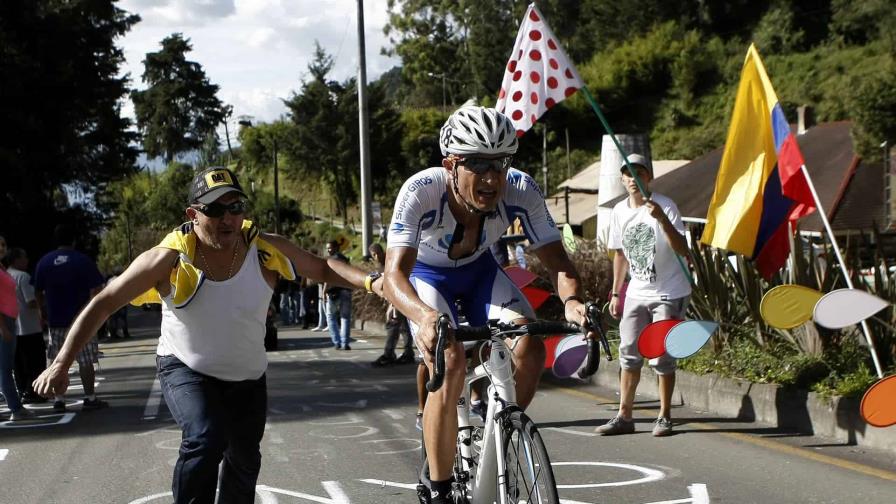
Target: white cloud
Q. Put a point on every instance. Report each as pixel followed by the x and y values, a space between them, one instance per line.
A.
pixel 258 50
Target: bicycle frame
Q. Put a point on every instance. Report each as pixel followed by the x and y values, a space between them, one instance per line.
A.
pixel 502 393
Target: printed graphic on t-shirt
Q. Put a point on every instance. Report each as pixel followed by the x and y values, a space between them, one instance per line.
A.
pixel 639 243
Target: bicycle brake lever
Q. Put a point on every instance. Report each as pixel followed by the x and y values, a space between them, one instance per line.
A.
pixel 438 376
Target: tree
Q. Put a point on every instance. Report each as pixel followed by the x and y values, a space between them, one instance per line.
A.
pixel 62 131
pixel 321 145
pixel 179 110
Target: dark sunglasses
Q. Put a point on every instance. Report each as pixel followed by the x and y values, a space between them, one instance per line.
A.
pixel 215 210
pixel 480 166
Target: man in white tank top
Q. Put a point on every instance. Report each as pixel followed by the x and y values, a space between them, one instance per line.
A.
pixel 211 349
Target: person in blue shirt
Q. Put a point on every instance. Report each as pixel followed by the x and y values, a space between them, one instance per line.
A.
pixel 64 282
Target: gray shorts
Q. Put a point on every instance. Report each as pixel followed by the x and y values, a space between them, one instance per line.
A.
pixel 88 356
pixel 638 314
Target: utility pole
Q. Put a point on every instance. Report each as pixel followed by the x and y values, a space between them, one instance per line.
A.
pixel 276 188
pixel 544 156
pixel 366 189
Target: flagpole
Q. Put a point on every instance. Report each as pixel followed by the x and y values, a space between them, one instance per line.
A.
pixel 842 263
pixel 634 174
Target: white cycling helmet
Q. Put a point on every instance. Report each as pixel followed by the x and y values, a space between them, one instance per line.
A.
pixel 478 130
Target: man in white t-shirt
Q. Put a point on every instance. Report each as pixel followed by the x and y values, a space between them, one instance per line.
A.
pixel 31 351
pixel 647 235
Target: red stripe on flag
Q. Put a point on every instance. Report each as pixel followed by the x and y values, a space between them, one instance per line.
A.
pixel 793 182
pixel 774 254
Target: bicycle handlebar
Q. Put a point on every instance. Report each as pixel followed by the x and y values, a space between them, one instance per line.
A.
pixel 534 328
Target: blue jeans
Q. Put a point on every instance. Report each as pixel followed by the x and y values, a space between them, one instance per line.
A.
pixel 339 309
pixel 7 363
pixel 218 419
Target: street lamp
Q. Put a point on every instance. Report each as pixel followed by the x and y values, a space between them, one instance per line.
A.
pixel 248 124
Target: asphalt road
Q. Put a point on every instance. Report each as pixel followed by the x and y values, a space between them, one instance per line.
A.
pixel 340 431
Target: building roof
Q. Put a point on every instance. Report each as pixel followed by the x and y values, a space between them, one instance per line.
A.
pixel 584 185
pixel 588 179
pixel 849 190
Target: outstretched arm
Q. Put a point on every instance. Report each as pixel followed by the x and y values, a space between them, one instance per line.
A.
pixel 329 271
pixel 151 269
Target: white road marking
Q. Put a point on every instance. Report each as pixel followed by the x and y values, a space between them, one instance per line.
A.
pixel 394 415
pixel 569 431
pixel 649 474
pixel 327 435
pixel 63 419
pixel 153 401
pixel 3 453
pixel 353 418
pixel 384 483
pixel 336 495
pixel 400 427
pixel 699 495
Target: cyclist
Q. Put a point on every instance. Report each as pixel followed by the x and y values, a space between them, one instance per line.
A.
pixel 445 220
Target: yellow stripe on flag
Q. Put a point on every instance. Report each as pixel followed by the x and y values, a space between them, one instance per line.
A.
pixel 736 206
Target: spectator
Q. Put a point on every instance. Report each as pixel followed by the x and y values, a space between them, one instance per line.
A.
pixel 65 280
pixel 646 235
pixel 396 323
pixel 211 361
pixel 9 311
pixel 31 351
pixel 339 306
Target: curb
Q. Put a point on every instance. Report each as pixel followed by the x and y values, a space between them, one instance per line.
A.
pixel 835 418
pixel 806 412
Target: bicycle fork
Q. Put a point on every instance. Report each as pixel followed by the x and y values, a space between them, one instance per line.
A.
pixel 502 394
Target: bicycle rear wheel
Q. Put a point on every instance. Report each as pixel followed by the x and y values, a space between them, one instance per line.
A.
pixel 529 476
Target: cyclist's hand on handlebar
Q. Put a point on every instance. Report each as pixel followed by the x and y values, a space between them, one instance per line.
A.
pixel 576 313
pixel 428 334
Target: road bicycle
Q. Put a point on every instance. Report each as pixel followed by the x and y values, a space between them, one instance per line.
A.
pixel 504 461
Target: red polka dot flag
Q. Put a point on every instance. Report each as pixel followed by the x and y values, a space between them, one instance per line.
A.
pixel 538 76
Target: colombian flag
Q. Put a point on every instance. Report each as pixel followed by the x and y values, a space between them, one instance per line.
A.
pixel 760 186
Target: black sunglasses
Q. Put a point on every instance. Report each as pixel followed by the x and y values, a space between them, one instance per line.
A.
pixel 480 166
pixel 215 210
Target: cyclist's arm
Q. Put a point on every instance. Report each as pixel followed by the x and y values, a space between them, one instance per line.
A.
pixel 565 278
pixel 399 291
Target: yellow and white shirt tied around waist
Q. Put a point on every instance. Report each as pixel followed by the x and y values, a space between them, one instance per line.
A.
pixel 187 279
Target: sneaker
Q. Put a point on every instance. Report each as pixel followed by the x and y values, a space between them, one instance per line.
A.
pixel 21 414
pixel 346 347
pixel 419 422
pixel 94 404
pixel 662 427
pixel 406 358
pixel 617 425
pixel 59 406
pixel 384 360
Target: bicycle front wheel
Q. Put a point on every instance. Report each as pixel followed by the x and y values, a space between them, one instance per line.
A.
pixel 529 477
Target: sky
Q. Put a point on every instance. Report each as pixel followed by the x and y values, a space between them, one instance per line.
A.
pixel 257 51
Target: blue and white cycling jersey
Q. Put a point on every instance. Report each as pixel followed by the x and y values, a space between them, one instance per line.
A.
pixel 423 220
